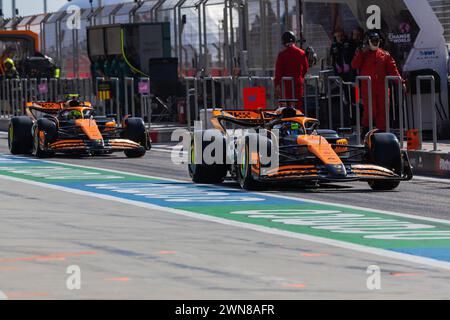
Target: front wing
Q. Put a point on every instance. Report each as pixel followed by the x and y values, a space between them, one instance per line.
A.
pixel 323 173
pixel 80 145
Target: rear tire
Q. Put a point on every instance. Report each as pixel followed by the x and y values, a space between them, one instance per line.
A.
pixel 20 138
pixel 386 153
pixel 205 173
pixel 50 132
pixel 135 131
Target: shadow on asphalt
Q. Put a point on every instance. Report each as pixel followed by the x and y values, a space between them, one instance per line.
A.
pixel 302 189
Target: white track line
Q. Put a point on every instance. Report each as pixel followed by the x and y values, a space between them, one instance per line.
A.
pixel 273 231
pixel 404 215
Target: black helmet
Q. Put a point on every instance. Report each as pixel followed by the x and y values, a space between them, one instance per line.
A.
pixel 288 37
pixel 373 35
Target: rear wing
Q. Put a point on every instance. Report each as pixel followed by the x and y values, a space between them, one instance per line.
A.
pixel 51 107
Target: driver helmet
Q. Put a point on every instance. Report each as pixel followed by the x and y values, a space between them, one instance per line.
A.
pixel 75 114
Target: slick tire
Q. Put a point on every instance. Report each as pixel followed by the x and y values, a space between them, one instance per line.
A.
pixel 244 170
pixel 20 138
pixel 135 131
pixel 44 133
pixel 387 154
pixel 205 173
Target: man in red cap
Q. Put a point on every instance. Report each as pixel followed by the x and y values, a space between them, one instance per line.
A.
pixel 378 64
pixel 292 62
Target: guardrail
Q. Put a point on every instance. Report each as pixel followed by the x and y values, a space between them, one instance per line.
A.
pixel 15 93
pixel 201 93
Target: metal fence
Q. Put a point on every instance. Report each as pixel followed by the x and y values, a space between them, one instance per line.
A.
pixel 125 97
pixel 328 96
pixel 221 37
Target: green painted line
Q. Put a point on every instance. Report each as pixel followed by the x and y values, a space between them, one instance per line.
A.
pixel 422 237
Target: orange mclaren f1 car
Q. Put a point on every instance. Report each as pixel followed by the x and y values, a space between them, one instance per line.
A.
pixel 299 152
pixel 72 127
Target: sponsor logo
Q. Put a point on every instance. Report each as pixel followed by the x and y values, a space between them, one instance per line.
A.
pixel 444 165
pixel 427 53
pixel 399 38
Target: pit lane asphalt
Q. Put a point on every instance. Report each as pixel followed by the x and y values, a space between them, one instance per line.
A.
pixel 130 253
pixel 427 198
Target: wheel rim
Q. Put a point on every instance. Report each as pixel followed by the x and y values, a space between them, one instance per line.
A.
pixel 192 163
pixel 36 142
pixel 10 137
pixel 244 164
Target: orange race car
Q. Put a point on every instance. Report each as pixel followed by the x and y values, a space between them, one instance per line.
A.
pixel 297 151
pixel 72 127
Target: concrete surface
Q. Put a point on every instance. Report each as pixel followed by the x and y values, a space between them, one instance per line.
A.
pixel 127 252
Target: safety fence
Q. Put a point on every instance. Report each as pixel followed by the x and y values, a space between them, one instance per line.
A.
pixel 336 103
pixel 109 96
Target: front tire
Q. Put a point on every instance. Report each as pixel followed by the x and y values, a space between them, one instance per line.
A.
pixel 385 152
pixel 44 133
pixel 135 131
pixel 244 172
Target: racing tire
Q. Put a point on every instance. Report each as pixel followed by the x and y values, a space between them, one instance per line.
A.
pixel 244 172
pixel 135 131
pixel 386 153
pixel 205 173
pixel 50 135
pixel 20 138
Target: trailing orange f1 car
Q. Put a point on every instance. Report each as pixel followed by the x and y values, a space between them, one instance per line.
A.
pixel 72 127
pixel 302 151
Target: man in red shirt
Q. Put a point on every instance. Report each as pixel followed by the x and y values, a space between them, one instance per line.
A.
pixel 292 62
pixel 378 64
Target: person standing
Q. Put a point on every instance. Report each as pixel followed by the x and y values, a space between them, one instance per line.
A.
pixel 8 67
pixel 341 55
pixel 356 43
pixel 376 63
pixel 292 62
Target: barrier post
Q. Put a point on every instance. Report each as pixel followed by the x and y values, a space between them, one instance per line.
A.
pixel 188 99
pixel 400 101
pixel 370 107
pixel 433 106
pixel 341 102
pixel 53 89
pixel 146 105
pixel 129 80
pixel 8 97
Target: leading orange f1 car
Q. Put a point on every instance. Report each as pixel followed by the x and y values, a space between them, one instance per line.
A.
pixel 304 153
pixel 72 127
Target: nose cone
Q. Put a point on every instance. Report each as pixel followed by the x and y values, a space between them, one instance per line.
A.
pixel 336 171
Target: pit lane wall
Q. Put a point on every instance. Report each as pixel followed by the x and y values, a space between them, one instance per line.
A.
pixel 430 163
